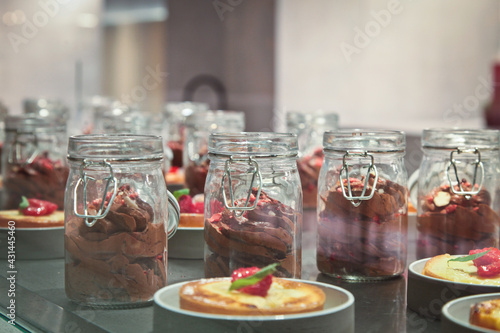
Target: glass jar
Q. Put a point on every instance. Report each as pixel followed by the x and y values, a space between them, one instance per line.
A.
pixel 175 115
pixel 198 128
pixel 46 107
pixel 118 217
pixel 253 204
pixel 3 114
pixel 310 128
pixel 34 160
pixel 362 205
pixel 457 207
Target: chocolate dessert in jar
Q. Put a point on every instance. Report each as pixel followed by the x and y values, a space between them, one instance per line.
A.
pixel 118 217
pixel 362 205
pixel 34 160
pixel 175 115
pixel 198 128
pixel 310 128
pixel 457 208
pixel 253 204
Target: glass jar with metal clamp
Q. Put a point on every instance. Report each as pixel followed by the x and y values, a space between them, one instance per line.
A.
pixel 310 128
pixel 362 205
pixel 118 218
pixel 34 160
pixel 253 203
pixel 198 128
pixel 458 191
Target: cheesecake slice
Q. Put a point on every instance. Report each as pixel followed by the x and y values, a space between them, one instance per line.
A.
pixel 284 297
pixel 55 219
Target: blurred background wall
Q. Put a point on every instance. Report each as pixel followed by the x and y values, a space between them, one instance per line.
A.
pixel 393 64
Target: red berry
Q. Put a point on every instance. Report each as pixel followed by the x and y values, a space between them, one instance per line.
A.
pixel 490 270
pixel 258 289
pixel 185 203
pixel 198 207
pixel 488 258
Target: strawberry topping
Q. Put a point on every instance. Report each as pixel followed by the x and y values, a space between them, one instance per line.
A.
pixel 260 288
pixel 487 265
pixel 36 207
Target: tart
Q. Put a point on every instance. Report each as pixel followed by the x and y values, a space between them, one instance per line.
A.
pixel 55 219
pixel 466 272
pixel 283 297
pixel 191 220
pixel 486 314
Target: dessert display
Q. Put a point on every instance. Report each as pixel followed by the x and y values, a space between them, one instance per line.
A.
pixel 268 234
pixel 364 241
pixel 191 209
pixel 486 314
pixel 196 175
pixel 42 178
pixel 452 223
pixel 121 258
pixel 33 213
pixel 480 267
pixel 251 291
pixel 309 167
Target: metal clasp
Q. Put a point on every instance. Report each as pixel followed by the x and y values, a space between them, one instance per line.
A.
pixel 15 155
pixel 227 173
pixel 478 165
pixel 356 200
pixel 84 178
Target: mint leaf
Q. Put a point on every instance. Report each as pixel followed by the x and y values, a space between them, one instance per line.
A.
pixel 255 278
pixel 24 203
pixel 177 194
pixel 470 257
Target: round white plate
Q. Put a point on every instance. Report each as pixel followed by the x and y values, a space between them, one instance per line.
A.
pixel 338 313
pixel 34 243
pixel 427 295
pixel 455 314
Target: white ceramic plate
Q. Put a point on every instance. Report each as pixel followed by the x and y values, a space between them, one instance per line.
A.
pixel 455 314
pixel 427 295
pixel 187 243
pixel 34 243
pixel 338 313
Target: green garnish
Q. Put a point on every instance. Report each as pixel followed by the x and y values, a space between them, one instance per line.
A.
pixel 470 257
pixel 24 203
pixel 177 194
pixel 255 278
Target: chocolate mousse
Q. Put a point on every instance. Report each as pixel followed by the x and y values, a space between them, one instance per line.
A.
pixel 367 241
pixel 176 147
pixel 196 175
pixel 268 234
pixel 454 223
pixel 43 179
pixel 121 259
pixel 309 167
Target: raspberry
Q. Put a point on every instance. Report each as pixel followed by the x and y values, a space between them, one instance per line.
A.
pixel 258 289
pixel 488 258
pixel 490 270
pixel 185 203
pixel 198 207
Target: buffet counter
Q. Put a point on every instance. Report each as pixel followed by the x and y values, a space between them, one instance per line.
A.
pixel 41 303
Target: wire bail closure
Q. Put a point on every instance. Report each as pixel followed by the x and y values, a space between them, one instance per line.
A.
pixel 227 173
pixel 84 178
pixel 15 154
pixel 356 200
pixel 478 165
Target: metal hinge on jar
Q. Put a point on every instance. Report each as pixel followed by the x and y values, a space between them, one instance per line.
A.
pixel 356 200
pixel 478 165
pixel 84 179
pixel 227 174
pixel 15 155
